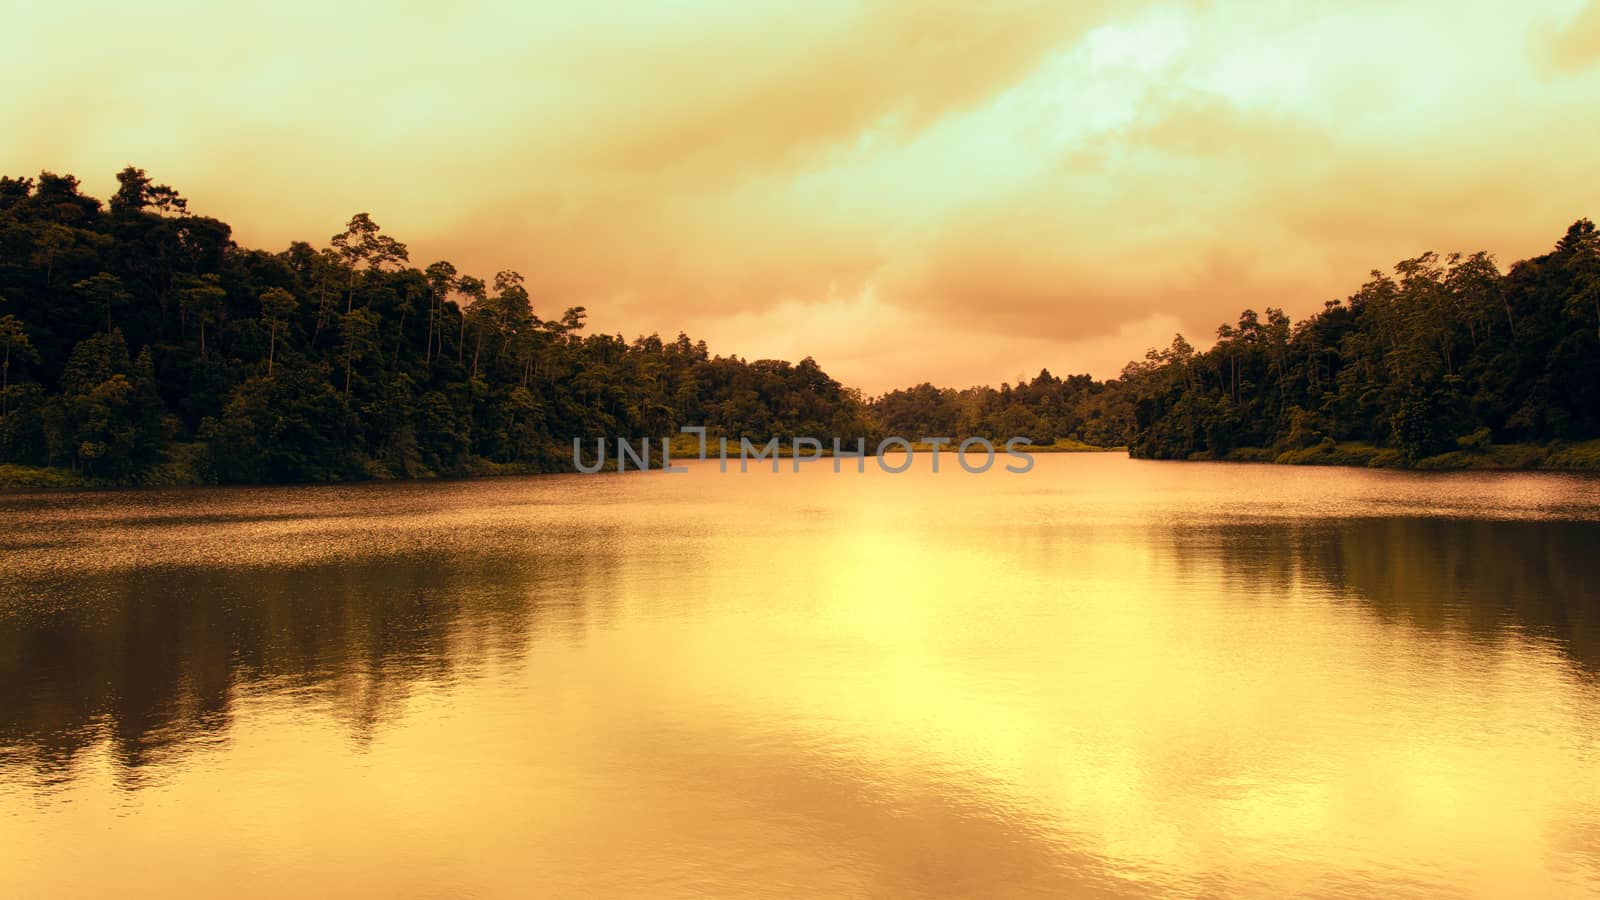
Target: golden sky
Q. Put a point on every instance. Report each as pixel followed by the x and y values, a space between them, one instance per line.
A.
pixel 925 190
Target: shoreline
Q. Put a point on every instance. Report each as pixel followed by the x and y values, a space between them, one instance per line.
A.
pixel 20 479
pixel 1557 456
pixel 1577 457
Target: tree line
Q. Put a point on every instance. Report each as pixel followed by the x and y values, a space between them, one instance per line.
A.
pixel 140 344
pixel 1444 359
pixel 1443 355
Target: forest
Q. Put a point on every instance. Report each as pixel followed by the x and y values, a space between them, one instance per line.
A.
pixel 1444 362
pixel 139 344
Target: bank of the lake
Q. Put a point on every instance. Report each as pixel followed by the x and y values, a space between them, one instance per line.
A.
pixel 1558 456
pixel 186 465
pixel 183 471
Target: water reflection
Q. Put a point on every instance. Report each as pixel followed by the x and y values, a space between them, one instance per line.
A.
pixel 150 658
pixel 1109 679
pixel 1486 579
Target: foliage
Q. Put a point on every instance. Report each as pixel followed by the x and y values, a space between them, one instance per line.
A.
pixel 1047 410
pixel 1445 357
pixel 140 344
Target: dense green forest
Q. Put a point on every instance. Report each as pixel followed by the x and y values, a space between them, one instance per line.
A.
pixel 142 345
pixel 139 344
pixel 1447 362
pixel 1444 356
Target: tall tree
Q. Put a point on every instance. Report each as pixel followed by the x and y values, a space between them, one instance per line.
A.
pixel 360 243
pixel 202 299
pixel 474 290
pixel 136 193
pixel 359 330
pixel 277 306
pixel 105 291
pixel 441 281
pixel 14 338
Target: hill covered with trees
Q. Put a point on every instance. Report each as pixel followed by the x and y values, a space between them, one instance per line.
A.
pixel 1445 356
pixel 142 345
pixel 1447 362
pixel 139 344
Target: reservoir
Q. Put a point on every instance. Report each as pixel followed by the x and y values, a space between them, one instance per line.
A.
pixel 1103 677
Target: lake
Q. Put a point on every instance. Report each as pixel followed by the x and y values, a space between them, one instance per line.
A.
pixel 1104 677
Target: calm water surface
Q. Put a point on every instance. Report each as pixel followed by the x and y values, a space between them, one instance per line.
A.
pixel 1103 678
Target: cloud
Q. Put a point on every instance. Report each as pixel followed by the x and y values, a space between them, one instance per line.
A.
pixel 907 191
pixel 1573 47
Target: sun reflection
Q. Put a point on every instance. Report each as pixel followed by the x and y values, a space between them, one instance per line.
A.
pixel 1075 681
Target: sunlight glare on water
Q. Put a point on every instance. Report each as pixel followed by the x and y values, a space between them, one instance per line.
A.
pixel 1104 677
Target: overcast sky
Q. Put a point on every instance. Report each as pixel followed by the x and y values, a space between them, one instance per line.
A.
pixel 949 191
